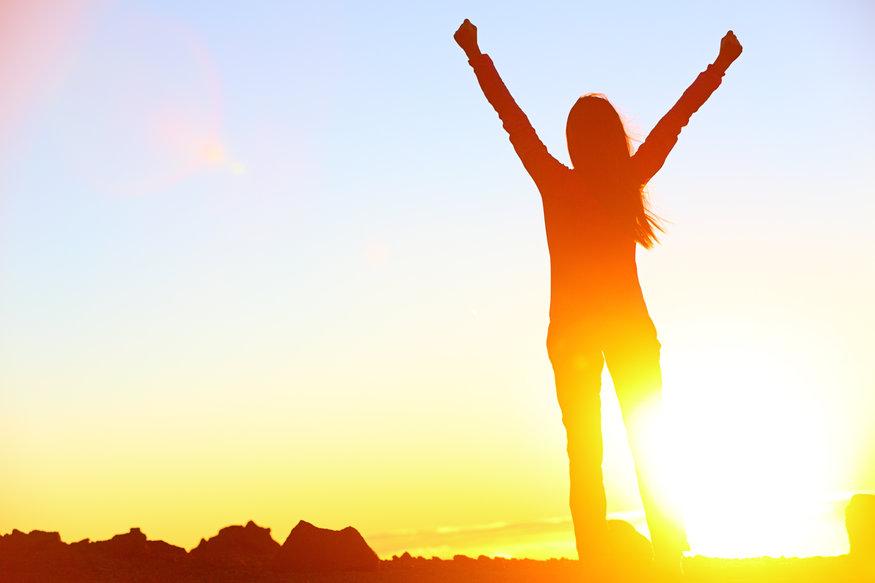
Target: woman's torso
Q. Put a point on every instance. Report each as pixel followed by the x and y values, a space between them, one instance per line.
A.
pixel 594 286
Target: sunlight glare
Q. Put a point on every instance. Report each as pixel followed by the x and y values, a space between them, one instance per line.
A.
pixel 752 480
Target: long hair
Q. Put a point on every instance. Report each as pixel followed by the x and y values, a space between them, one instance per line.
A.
pixel 601 156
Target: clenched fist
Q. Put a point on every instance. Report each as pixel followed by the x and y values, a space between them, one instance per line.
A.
pixel 466 37
pixel 730 49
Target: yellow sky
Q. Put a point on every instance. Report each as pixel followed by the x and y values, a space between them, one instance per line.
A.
pixel 248 274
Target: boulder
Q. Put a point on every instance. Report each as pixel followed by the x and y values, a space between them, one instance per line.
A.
pixel 310 548
pixel 624 555
pixel 627 544
pixel 860 522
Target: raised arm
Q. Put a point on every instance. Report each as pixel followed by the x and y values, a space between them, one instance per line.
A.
pixel 534 155
pixel 652 153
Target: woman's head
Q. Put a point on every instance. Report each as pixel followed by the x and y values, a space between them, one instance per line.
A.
pixel 601 156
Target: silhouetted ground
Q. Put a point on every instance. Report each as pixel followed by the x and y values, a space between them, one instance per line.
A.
pixel 316 555
pixel 698 569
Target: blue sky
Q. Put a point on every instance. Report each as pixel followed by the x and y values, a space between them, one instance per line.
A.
pixel 303 221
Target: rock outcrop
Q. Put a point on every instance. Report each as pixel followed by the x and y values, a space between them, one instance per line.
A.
pixel 27 552
pixel 43 556
pixel 627 544
pixel 238 546
pixel 309 548
pixel 132 546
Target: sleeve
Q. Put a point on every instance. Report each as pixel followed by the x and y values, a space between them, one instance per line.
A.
pixel 651 155
pixel 531 151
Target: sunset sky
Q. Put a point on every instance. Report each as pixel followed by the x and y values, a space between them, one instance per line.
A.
pixel 278 261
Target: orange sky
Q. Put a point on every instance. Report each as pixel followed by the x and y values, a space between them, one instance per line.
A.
pixel 247 273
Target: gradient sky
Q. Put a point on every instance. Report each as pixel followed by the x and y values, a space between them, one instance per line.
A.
pixel 279 261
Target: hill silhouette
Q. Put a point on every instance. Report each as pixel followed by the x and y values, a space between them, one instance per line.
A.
pixel 238 546
pixel 236 553
pixel 310 548
pixel 313 554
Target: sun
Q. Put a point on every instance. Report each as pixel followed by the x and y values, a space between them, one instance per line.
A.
pixel 750 463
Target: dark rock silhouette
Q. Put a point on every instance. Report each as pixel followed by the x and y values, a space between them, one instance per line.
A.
pixel 25 552
pixel 133 545
pixel 310 548
pixel 42 556
pixel 238 546
pixel 34 541
pixel 316 555
pixel 860 522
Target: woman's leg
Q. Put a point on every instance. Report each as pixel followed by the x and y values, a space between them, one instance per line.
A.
pixel 578 372
pixel 634 367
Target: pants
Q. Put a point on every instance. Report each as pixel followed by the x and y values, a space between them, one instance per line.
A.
pixel 633 362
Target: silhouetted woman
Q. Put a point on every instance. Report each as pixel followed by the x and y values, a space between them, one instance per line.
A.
pixel 595 214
